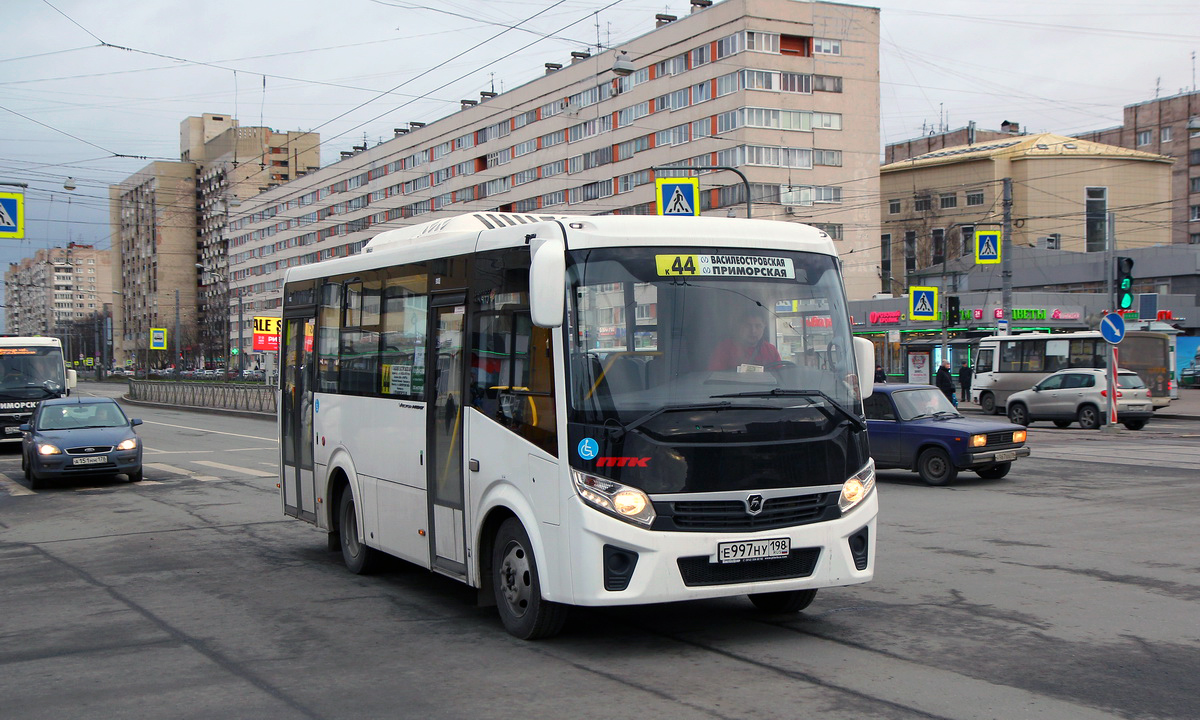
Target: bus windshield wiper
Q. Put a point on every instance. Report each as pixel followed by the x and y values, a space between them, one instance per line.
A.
pixel 809 394
pixel 619 432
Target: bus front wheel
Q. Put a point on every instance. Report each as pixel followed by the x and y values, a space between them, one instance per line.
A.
pixel 987 403
pixel 524 612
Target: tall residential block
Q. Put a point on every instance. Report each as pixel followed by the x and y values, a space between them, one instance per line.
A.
pixel 787 92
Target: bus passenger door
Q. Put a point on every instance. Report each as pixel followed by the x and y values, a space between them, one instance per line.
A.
pixel 296 415
pixel 444 394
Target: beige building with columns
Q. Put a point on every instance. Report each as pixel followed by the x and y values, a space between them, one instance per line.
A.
pixel 1062 190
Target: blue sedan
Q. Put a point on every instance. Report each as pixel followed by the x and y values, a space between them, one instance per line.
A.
pixel 79 436
pixel 915 427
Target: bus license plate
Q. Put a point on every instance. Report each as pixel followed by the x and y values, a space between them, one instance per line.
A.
pixel 1005 456
pixel 90 460
pixel 747 550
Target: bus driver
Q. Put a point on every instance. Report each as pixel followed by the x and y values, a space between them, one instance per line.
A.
pixel 747 346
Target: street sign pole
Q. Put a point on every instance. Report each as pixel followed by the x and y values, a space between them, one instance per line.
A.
pixel 1112 329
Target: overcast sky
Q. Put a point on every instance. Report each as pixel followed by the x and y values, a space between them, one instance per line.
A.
pixel 85 82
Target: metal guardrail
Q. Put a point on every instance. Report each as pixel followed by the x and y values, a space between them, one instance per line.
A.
pixel 252 398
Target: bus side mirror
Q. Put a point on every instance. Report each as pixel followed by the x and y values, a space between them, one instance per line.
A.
pixel 72 378
pixel 864 365
pixel 547 279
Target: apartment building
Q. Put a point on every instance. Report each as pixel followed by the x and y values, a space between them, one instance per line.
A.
pixel 57 288
pixel 171 216
pixel 1167 126
pixel 785 91
pixel 1062 191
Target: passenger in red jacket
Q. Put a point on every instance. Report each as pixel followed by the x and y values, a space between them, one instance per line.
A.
pixel 748 346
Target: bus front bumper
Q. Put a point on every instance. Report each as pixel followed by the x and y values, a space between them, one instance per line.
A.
pixel 673 566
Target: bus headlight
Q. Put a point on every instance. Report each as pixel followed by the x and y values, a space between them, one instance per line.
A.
pixel 48 449
pixel 622 501
pixel 857 488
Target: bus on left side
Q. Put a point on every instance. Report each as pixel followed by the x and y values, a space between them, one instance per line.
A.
pixel 32 369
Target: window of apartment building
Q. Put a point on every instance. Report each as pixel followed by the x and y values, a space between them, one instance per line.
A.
pixel 910 250
pixel 760 80
pixel 464 142
pixel 948 201
pixel 701 92
pixel 826 83
pixel 826 46
pixel 558 197
pixel 828 158
pixel 701 128
pixel 828 194
pixel 762 41
pixel 966 240
pixel 524 148
pixel 778 156
pixel 1095 212
pixel 796 83
pixel 730 45
pixel 938 236
pixel 628 148
pixel 591 191
pixel 774 119
pixel 524 176
pixel 699 56
pixel 627 116
pixel 893 209
pixel 1144 137
pixel 833 230
pixel 1194 239
pixel 796 195
pixel 1194 155
pixel 827 121
pixel 558 167
pixel 1194 185
pixel 500 157
pixel 677 135
pixel 921 203
pixel 974 197
pixel 1164 135
pixel 671 66
pixel 557 137
pixel 1194 213
pixel 625 183
pixel 727 84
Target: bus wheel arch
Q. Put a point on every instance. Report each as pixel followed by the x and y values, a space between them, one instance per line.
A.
pixel 487 541
pixel 358 557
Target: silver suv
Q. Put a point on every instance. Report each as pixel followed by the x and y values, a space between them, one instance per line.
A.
pixel 1080 395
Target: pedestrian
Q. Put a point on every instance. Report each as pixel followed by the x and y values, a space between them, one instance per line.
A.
pixel 880 375
pixel 944 381
pixel 964 380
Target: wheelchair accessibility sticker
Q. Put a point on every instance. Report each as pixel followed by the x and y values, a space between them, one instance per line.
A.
pixel 588 448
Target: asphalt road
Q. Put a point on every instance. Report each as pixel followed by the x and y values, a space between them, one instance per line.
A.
pixel 1066 590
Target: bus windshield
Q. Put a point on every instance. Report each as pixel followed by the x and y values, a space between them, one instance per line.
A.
pixel 31 373
pixel 693 330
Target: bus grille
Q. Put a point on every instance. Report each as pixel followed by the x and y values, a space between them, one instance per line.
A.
pixel 699 571
pixel 731 515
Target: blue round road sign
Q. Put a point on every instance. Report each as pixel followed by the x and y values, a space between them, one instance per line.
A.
pixel 1112 328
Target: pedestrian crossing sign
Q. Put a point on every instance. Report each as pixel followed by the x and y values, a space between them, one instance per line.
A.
pixel 678 196
pixel 987 247
pixel 12 215
pixel 922 303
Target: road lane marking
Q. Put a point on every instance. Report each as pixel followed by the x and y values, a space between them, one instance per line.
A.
pixel 235 468
pixel 213 432
pixel 169 468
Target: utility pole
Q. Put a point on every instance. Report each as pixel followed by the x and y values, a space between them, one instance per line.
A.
pixel 241 335
pixel 175 360
pixel 1006 256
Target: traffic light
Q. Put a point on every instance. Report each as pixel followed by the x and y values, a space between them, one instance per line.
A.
pixel 953 308
pixel 1124 283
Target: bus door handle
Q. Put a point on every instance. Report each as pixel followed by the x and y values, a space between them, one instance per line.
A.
pixel 474 465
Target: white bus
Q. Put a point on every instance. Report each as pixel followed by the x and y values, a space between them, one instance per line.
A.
pixel 31 370
pixel 525 403
pixel 1006 364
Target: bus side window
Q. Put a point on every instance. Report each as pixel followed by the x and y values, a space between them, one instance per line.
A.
pixel 983 363
pixel 1010 356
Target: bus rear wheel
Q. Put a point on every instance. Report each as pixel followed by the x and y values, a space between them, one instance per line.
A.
pixel 359 559
pixel 783 602
pixel 525 614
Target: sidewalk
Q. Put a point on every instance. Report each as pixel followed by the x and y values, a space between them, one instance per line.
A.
pixel 1185 407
